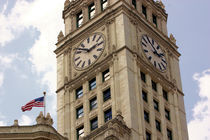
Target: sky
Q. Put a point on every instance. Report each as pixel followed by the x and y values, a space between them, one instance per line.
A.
pixel 28 33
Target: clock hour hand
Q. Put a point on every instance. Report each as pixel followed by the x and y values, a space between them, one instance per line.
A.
pixel 83 49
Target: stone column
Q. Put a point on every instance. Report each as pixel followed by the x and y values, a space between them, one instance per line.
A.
pixel 162 111
pixel 97 6
pixel 149 13
pixel 99 99
pixel 151 107
pixel 86 108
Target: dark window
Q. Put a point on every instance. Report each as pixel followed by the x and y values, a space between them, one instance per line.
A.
pixel 158 127
pixel 148 136
pixel 80 132
pixel 108 115
pixel 165 95
pixel 105 75
pixel 167 114
pixel 94 124
pixel 91 10
pixel 134 3
pixel 79 112
pixel 154 86
pixel 144 96
pixel 156 105
pixel 144 11
pixel 146 116
pixel 93 103
pixel 169 134
pixel 92 84
pixel 143 77
pixel 79 19
pixel 154 19
pixel 106 94
pixel 79 92
pixel 104 4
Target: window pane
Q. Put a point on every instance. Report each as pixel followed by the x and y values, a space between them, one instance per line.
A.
pixel 148 136
pixel 80 132
pixel 104 4
pixel 165 95
pixel 156 105
pixel 134 3
pixel 144 11
pixel 154 18
pixel 157 123
pixel 79 112
pixel 154 86
pixel 146 116
pixel 92 84
pixel 144 96
pixel 91 9
pixel 169 134
pixel 106 94
pixel 93 103
pixel 143 77
pixel 167 114
pixel 94 124
pixel 108 115
pixel 79 19
pixel 106 75
pixel 79 92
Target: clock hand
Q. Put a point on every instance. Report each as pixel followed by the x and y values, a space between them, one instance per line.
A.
pixel 93 47
pixel 83 49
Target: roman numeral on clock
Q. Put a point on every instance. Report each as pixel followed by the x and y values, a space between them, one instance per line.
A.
pixel 94 37
pixel 83 64
pixel 150 58
pixel 79 62
pixel 144 40
pixel 98 38
pixel 95 56
pixel 164 61
pixel 88 40
pixel 159 66
pixel 77 58
pixel 89 61
pixel 100 43
pixel 83 45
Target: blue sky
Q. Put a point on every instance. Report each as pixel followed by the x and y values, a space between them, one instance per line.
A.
pixel 28 32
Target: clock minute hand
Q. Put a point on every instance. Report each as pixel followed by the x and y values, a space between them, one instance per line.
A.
pixel 93 47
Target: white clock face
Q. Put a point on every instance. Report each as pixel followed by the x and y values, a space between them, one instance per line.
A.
pixel 89 51
pixel 154 53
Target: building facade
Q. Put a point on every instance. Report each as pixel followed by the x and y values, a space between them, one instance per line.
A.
pixel 115 60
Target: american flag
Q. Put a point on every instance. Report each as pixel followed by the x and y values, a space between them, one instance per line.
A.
pixel 38 102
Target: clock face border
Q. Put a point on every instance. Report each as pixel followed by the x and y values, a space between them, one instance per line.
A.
pixel 163 64
pixel 95 35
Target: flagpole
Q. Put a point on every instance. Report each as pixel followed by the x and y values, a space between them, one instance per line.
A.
pixel 44 103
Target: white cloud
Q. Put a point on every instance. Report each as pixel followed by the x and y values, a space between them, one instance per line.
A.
pixel 2 122
pixel 1 79
pixel 25 120
pixel 199 126
pixel 45 16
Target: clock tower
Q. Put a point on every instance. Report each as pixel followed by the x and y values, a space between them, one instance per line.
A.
pixel 118 73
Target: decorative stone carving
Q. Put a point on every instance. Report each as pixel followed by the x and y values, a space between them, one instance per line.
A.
pixel 172 38
pixel 60 36
pixel 44 120
pixel 66 4
pixel 15 123
pixel 160 4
